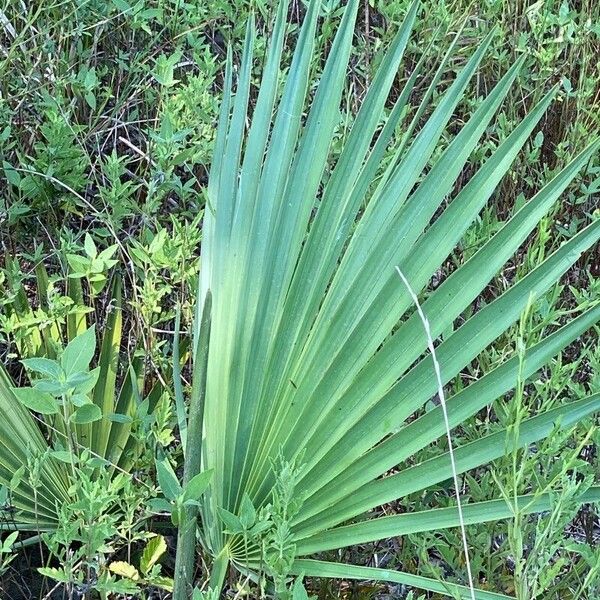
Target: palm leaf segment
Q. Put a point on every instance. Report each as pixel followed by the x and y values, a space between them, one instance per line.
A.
pixel 312 351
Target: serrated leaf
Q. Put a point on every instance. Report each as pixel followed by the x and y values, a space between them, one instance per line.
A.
pixel 78 264
pixel 97 268
pixel 7 544
pixel 108 253
pixel 159 505
pixel 119 418
pixel 232 523
pixel 89 383
pixel 89 246
pixel 56 574
pixel 113 586
pixel 164 583
pixel 259 528
pixel 63 456
pixel 11 175
pixel 80 399
pixel 15 480
pixel 154 549
pixel 50 386
pixel 124 569
pixel 247 512
pixel 81 379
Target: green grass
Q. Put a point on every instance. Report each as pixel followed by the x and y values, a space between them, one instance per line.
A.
pixel 108 116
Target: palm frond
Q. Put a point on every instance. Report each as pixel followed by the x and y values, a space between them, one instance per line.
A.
pixel 314 353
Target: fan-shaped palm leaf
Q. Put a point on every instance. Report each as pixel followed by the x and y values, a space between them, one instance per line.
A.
pixel 313 350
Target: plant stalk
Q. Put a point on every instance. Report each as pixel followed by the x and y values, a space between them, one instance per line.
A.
pixel 186 537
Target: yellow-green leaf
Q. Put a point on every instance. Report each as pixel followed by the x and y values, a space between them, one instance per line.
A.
pixel 124 569
pixel 154 549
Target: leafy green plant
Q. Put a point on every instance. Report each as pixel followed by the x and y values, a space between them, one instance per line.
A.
pixel 81 408
pixel 59 163
pixel 177 497
pixel 6 551
pixel 87 526
pixel 38 327
pixel 314 352
pixel 162 264
pixel 149 571
pixel 94 266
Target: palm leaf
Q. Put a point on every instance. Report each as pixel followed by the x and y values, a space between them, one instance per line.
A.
pixel 105 390
pixel 314 353
pixel 319 568
pixel 20 441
